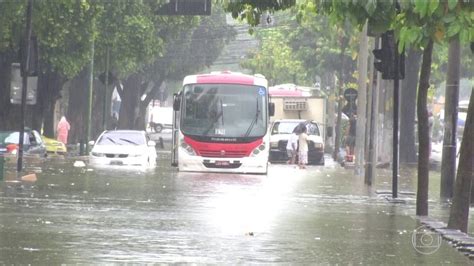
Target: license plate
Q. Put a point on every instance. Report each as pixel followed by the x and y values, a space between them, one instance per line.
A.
pixel 222 163
pixel 116 162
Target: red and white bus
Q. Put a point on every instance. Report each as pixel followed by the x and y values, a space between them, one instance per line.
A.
pixel 220 123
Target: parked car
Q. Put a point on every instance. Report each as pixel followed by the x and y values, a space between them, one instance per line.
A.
pixel 32 143
pixel 123 147
pixel 53 146
pixel 280 133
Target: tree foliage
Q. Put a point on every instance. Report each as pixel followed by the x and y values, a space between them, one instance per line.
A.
pixel 251 11
pixel 416 24
pixel 276 60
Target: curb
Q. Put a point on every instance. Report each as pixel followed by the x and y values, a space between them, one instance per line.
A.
pixel 457 239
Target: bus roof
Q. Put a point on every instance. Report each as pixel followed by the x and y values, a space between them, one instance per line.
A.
pixel 226 77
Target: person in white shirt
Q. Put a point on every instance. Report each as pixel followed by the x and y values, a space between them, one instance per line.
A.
pixel 292 147
pixel 303 148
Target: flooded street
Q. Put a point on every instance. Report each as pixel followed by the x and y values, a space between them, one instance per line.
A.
pixel 320 215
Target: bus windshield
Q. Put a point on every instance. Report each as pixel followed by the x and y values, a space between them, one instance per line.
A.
pixel 224 110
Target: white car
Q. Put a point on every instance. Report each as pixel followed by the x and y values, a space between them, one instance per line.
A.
pixel 280 133
pixel 123 147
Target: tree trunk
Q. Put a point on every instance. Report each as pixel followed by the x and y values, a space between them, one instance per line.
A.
pixel 129 109
pixel 340 101
pixel 408 103
pixel 448 161
pixel 372 107
pixel 140 122
pixel 77 106
pixel 361 103
pixel 331 117
pixel 50 85
pixel 459 214
pixel 97 109
pixel 423 133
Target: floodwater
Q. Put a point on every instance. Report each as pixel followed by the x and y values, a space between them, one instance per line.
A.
pixel 116 215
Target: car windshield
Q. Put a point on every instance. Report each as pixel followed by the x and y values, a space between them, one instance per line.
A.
pixel 224 110
pixel 13 138
pixel 288 127
pixel 122 138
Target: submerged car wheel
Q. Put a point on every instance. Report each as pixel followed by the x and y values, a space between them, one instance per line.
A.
pixel 321 161
pixel 158 128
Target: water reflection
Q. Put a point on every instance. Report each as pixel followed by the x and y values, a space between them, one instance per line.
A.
pixel 94 216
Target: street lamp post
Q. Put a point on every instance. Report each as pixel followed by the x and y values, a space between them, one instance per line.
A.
pixel 25 72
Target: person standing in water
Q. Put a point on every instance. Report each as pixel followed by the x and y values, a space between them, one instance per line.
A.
pixel 303 148
pixel 63 130
pixel 292 147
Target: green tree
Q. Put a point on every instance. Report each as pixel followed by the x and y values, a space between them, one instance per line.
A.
pixel 275 59
pixel 187 52
pixel 190 45
pixel 418 24
pixel 61 49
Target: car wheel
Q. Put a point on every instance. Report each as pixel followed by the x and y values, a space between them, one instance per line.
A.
pixel 158 128
pixel 321 161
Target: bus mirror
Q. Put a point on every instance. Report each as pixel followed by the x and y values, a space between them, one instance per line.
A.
pixel 271 109
pixel 176 103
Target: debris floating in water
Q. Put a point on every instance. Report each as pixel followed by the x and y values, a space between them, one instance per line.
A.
pixel 29 178
pixel 79 164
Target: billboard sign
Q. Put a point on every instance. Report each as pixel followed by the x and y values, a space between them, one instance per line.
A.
pixel 16 86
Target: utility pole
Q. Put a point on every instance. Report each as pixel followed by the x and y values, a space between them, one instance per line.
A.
pixel 89 98
pixel 396 111
pixel 106 100
pixel 25 73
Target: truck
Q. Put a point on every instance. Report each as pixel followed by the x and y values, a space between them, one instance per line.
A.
pixel 295 106
pixel 299 102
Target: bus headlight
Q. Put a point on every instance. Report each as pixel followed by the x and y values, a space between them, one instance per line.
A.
pixel 189 150
pixel 257 150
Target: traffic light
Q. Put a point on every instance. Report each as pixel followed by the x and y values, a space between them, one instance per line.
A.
pixel 385 58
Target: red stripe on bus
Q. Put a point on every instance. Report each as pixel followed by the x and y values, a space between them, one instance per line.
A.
pixel 224 79
pixel 222 150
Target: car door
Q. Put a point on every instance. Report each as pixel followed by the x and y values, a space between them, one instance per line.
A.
pixel 36 145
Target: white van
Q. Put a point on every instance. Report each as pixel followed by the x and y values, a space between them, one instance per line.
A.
pixel 160 118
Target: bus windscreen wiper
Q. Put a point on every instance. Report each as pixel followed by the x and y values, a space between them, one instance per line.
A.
pixel 254 121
